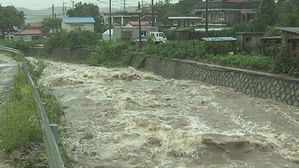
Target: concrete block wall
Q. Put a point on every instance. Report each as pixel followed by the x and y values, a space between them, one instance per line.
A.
pixel 257 84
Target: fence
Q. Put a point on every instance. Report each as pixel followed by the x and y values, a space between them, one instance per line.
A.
pixel 52 151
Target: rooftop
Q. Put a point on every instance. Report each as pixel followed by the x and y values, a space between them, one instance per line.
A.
pixel 74 20
pixel 29 32
pixel 289 29
pixel 219 39
pixel 37 24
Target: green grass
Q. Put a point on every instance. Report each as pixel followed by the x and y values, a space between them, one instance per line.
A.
pixel 243 61
pixel 216 53
pixel 19 122
pixel 20 130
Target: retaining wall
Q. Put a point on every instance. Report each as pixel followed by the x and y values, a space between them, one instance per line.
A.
pixel 257 84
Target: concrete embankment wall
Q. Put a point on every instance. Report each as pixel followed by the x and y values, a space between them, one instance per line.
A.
pixel 257 84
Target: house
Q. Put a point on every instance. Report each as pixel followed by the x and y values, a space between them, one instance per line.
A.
pixel 28 35
pixel 187 20
pixel 223 13
pixel 249 41
pixel 290 41
pixel 136 23
pixel 74 23
pixel 123 18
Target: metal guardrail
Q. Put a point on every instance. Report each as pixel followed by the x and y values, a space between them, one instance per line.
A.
pixel 52 151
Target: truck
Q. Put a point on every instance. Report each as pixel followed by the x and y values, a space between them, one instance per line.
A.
pixel 131 34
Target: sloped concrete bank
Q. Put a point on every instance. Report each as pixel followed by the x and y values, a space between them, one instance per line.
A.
pixel 257 84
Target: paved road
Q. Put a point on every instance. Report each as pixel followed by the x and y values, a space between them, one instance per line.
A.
pixel 8 68
pixel 121 117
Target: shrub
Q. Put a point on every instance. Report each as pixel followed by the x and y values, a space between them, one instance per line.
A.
pixel 58 40
pixel 244 61
pixel 73 39
pixel 188 49
pixel 286 64
pixel 111 54
pixel 18 44
pixel 241 27
pixel 219 47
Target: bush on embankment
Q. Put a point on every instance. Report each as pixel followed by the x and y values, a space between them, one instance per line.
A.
pixel 254 61
pixel 73 39
pixel 18 44
pixel 188 49
pixel 111 54
pixel 213 52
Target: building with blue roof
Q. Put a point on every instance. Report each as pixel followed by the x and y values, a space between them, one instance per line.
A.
pixel 78 23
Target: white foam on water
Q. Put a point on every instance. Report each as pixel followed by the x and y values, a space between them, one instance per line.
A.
pixel 138 119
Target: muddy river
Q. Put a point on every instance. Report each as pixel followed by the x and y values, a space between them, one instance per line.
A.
pixel 124 118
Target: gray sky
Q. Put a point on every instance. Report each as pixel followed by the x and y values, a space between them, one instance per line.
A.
pixel 42 4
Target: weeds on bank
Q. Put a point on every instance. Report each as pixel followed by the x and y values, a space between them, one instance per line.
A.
pixel 19 123
pixel 217 53
pixel 243 61
pixel 111 54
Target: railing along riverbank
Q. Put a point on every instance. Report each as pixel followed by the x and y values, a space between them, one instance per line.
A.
pixel 52 151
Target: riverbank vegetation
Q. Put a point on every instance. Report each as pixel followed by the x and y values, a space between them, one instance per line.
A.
pixel 211 52
pixel 73 39
pixel 20 132
pixel 111 54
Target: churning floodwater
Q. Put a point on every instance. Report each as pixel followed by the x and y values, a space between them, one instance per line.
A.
pixel 124 118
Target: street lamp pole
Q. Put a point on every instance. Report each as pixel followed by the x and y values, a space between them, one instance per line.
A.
pixel 207 27
pixel 110 38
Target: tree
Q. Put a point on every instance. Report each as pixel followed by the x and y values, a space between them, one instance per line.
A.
pixel 10 17
pixel 185 6
pixel 164 10
pixel 289 13
pixel 87 10
pixel 266 15
pixel 50 24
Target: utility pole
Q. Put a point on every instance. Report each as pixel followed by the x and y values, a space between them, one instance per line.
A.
pixel 55 23
pixel 207 27
pixel 73 4
pixel 124 5
pixel 63 9
pixel 153 19
pixel 52 11
pixel 110 38
pixel 139 23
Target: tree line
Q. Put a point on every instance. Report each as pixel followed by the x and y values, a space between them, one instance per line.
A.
pixel 10 18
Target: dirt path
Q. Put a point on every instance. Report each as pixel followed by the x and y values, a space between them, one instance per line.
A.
pixel 8 68
pixel 121 117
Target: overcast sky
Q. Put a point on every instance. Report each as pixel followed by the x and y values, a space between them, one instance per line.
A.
pixel 42 4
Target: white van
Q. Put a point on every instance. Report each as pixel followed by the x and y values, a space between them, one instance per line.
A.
pixel 158 37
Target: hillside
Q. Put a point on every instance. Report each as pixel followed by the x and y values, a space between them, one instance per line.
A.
pixel 38 15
